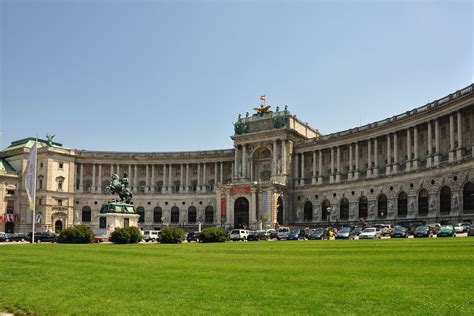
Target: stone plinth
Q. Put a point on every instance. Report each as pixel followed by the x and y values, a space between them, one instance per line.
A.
pixel 108 222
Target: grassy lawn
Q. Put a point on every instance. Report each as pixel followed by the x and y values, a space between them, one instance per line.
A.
pixel 428 276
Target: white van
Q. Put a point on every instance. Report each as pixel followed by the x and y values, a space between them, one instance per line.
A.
pixel 151 235
pixel 283 232
pixel 239 234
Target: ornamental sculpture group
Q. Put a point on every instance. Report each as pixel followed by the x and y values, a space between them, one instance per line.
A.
pixel 119 186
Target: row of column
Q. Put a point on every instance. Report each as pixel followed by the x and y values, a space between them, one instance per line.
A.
pixel 392 164
pixel 167 179
pixel 244 167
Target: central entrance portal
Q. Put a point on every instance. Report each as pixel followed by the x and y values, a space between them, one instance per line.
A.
pixel 241 213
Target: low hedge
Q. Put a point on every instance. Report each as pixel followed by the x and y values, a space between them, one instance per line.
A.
pixel 76 235
pixel 126 235
pixel 171 235
pixel 214 234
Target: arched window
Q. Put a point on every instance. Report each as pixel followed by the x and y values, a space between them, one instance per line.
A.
pixel 308 211
pixel 344 209
pixel 86 214
pixel 402 203
pixel 423 202
pixel 445 200
pixel 382 205
pixel 157 214
pixel 209 215
pixel 141 212
pixel 174 214
pixel 363 207
pixel 60 182
pixel 324 210
pixel 58 226
pixel 468 198
pixel 192 214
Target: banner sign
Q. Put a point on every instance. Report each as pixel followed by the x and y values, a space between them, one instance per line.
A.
pixel 30 177
pixel 223 205
pixel 242 189
pixel 8 218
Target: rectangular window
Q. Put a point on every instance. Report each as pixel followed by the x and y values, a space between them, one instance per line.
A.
pixel 10 206
pixel 60 202
pixel 103 222
pixel 61 165
pixel 11 192
pixel 126 222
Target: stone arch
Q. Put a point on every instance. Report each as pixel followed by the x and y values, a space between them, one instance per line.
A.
pixel 58 226
pixel 174 215
pixel 363 207
pixel 402 204
pixel 423 199
pixel 468 198
pixel 241 213
pixel 344 209
pixel 192 214
pixel 141 211
pixel 157 214
pixel 209 215
pixel 324 206
pixel 382 205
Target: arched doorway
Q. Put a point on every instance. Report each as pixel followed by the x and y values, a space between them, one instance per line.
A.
pixel 468 198
pixel 280 210
pixel 402 203
pixel 58 226
pixel 308 211
pixel 344 209
pixel 209 215
pixel 241 213
pixel 363 208
pixel 192 214
pixel 86 214
pixel 324 210
pixel 423 202
pixel 382 205
pixel 445 200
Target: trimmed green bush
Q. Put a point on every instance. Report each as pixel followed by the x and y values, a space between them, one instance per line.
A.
pixel 126 235
pixel 171 235
pixel 214 234
pixel 76 235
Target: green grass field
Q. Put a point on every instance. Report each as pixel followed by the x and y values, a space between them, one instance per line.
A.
pixel 428 276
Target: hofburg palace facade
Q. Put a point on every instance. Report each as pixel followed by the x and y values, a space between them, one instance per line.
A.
pixel 414 167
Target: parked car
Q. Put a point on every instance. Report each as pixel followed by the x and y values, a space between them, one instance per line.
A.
pixel 434 227
pixel 297 234
pixel 263 234
pixel 446 231
pixel 3 237
pixel 193 236
pixel 273 234
pixel 370 233
pixel 43 237
pixel 357 230
pixel 17 237
pixel 151 235
pixel 345 233
pixel 466 226
pixel 283 233
pixel 385 230
pixel 318 233
pixel 423 231
pixel 239 234
pixel 252 236
pixel 399 232
pixel 459 228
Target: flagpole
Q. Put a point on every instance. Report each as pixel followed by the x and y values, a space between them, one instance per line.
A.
pixel 34 190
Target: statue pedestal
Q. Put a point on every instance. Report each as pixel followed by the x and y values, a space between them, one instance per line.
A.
pixel 115 215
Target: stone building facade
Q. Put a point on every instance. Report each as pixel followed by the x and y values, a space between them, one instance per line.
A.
pixel 414 167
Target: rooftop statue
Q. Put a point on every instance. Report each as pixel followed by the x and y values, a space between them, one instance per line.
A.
pixel 262 109
pixel 49 139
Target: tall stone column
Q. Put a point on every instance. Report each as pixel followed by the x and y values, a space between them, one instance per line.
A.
pixel 408 161
pixel 112 170
pixel 274 159
pixel 451 138
pixel 222 173
pixel 253 208
pixel 244 161
pixel 313 181
pixel 395 153
pixel 236 161
pixel 147 178
pixel 297 171
pixel 389 156
pixel 338 164
pixel 93 189
pixel 170 179
pixel 284 168
pixel 215 176
pixel 302 170
pixel 459 152
pixel 204 178
pixel 415 148
pixel 320 167
pixel 199 177
pixel 187 177
pixel 118 169
pixel 153 185
pixel 429 159
pixel 181 178
pixel 351 169
pixel 356 171
pixel 369 159
pixel 375 171
pixel 438 153
pixel 164 187
pixel 99 187
pixel 135 179
pixel 331 176
pixel 81 178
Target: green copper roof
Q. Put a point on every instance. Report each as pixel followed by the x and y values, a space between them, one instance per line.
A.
pixel 29 142
pixel 5 166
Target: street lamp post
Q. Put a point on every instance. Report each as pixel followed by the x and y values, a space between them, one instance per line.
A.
pixel 328 213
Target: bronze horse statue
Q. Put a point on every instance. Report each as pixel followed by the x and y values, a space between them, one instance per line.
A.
pixel 120 186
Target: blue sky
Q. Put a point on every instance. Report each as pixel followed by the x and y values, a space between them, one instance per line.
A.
pixel 174 75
